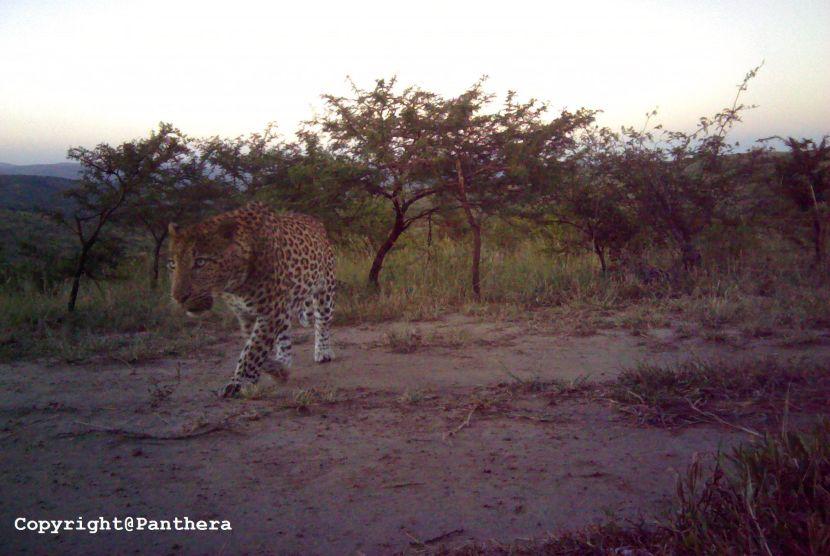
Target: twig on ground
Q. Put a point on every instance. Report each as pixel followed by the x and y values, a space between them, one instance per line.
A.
pixel 723 421
pixel 443 536
pixel 466 423
pixel 636 395
pixel 415 540
pixel 125 362
pixel 539 419
pixel 401 485
pixel 141 435
pixel 418 542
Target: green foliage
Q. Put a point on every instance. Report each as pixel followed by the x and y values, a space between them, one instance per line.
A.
pixel 37 253
pixel 330 187
pixel 34 251
pixel 35 193
pixel 589 199
pixel 408 175
pixel 804 178
pixel 389 136
pixel 805 174
pixel 247 164
pixel 426 280
pixel 110 178
pixel 680 182
pixel 117 320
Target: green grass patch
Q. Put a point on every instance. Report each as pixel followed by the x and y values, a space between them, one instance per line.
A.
pixel 123 320
pixel 525 281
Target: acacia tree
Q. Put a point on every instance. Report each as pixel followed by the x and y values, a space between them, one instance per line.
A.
pixel 490 161
pixel 388 134
pixel 804 177
pixel 330 186
pixel 110 176
pixel 248 164
pixel 180 189
pixel 587 198
pixel 682 182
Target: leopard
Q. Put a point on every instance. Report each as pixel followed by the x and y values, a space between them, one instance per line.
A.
pixel 271 269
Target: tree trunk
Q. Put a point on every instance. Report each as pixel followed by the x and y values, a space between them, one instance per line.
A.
pixel 690 257
pixel 475 270
pixel 76 281
pixel 397 229
pixel 154 275
pixel 86 246
pixel 598 249
pixel 429 238
pixel 818 239
pixel 476 264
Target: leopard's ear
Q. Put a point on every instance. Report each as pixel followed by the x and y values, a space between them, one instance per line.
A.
pixel 227 229
pixel 173 228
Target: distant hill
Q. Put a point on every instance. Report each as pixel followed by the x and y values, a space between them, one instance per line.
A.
pixel 67 170
pixel 34 193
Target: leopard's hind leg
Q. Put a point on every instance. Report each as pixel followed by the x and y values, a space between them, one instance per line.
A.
pixel 306 312
pixel 323 303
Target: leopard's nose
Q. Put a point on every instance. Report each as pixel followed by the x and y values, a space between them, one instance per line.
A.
pixel 181 297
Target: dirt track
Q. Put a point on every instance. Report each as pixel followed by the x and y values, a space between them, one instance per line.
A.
pixel 369 454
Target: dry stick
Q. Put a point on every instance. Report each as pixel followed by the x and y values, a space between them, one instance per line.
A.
pixel 751 513
pixel 540 419
pixel 636 395
pixel 418 542
pixel 723 421
pixel 415 540
pixel 401 485
pixel 785 419
pixel 223 425
pixel 444 535
pixel 466 423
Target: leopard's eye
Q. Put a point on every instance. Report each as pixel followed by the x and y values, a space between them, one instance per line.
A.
pixel 200 262
pixel 171 264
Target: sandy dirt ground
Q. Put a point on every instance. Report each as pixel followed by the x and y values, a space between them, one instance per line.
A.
pixel 378 452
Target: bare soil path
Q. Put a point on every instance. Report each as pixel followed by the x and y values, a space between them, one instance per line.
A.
pixel 379 452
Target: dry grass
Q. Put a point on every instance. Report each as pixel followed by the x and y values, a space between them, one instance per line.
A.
pixel 259 391
pixel 700 391
pixel 449 338
pixel 551 388
pixel 415 396
pixel 404 339
pixel 749 297
pixel 770 497
pixel 124 321
pixel 303 399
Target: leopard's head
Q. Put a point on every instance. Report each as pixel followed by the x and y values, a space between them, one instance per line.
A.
pixel 205 260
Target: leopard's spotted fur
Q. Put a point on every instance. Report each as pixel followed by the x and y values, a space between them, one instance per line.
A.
pixel 268 268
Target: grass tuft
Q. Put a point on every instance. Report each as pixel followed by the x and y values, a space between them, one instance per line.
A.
pixel 701 391
pixel 768 497
pixel 404 339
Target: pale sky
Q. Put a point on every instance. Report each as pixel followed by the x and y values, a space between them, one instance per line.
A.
pixel 81 72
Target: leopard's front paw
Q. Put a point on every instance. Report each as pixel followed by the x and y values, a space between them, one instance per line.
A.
pixel 323 355
pixel 231 390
